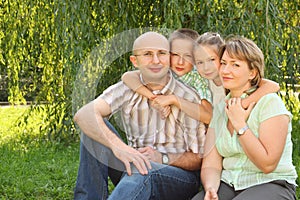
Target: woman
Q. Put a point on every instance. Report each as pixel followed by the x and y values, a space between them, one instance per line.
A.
pixel 248 153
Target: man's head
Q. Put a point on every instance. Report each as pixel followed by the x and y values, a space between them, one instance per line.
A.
pixel 151 56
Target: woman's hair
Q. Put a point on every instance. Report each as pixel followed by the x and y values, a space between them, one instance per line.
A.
pixel 211 39
pixel 246 50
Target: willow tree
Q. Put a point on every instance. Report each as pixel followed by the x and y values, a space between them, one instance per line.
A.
pixel 44 44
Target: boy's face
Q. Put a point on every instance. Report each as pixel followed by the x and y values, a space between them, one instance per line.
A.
pixel 181 56
pixel 207 62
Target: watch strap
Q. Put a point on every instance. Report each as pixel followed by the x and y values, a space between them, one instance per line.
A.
pixel 243 130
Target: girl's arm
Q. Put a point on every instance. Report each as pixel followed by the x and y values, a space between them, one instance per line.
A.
pixel 266 86
pixel 132 80
pixel 203 113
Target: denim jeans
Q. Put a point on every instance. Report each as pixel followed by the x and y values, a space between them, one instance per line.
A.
pixel 97 163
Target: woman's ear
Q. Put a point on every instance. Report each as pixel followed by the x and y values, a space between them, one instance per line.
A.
pixel 133 61
pixel 253 74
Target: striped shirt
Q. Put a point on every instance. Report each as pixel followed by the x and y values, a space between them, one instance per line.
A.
pixel 238 170
pixel 143 125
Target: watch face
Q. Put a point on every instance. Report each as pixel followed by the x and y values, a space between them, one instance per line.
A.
pixel 243 130
pixel 165 159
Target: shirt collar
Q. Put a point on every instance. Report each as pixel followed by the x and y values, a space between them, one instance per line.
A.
pixel 168 88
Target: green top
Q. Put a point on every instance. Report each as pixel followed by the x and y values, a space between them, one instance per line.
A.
pixel 238 170
pixel 200 84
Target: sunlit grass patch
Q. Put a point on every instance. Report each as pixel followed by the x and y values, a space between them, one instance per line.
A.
pixel 30 167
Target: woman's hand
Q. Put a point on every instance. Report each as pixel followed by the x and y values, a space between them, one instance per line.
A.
pixel 211 194
pixel 236 113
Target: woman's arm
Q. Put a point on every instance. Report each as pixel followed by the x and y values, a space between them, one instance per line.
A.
pixel 211 164
pixel 266 150
pixel 132 80
pixel 266 86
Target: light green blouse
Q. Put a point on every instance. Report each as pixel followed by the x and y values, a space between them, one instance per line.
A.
pixel 238 170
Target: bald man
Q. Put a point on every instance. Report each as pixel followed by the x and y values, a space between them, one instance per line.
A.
pixel 161 157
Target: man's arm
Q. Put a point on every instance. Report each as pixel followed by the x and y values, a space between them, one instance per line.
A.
pixel 187 160
pixel 90 120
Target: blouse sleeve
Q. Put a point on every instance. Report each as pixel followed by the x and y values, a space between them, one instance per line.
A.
pixel 271 105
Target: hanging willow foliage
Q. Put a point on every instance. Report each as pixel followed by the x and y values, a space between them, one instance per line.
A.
pixel 45 43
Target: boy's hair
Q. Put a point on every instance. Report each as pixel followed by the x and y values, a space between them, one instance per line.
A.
pixel 211 39
pixel 184 33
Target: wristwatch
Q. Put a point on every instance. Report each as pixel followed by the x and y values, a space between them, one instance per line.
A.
pixel 165 158
pixel 242 130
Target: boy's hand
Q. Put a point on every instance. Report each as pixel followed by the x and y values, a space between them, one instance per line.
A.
pixel 163 110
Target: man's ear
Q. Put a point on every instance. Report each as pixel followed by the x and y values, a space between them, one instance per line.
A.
pixel 133 61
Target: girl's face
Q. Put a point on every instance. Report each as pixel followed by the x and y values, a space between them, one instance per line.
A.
pixel 235 74
pixel 207 62
pixel 181 56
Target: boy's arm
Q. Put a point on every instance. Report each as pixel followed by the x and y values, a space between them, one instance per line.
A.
pixel 266 86
pixel 203 113
pixel 132 80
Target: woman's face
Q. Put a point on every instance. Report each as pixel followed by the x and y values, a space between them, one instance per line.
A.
pixel 235 74
pixel 181 56
pixel 207 62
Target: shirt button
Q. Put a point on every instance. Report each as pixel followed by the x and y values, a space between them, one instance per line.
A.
pixel 156 131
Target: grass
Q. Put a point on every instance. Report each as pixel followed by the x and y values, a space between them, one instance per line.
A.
pixel 32 168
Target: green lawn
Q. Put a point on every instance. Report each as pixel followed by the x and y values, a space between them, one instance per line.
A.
pixel 31 168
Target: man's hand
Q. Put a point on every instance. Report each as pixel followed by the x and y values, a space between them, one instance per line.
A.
pixel 129 155
pixel 151 154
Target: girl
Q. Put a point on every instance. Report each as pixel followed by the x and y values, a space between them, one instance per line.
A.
pixel 208 62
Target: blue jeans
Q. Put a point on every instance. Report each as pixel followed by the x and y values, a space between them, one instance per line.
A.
pixel 97 163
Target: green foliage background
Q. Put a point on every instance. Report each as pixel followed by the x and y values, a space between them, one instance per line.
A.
pixel 44 43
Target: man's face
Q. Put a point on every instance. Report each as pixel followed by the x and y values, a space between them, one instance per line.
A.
pixel 153 63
